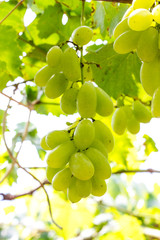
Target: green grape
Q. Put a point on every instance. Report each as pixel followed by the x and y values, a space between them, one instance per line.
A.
pixel 81 167
pixel 100 146
pixel 62 180
pixel 43 75
pixel 126 42
pixel 51 172
pixel 128 12
pixel 87 72
pixel 87 100
pixel 72 192
pixel 140 19
pixel 142 3
pixel 68 102
pixel 150 75
pixel 141 112
pixel 121 27
pixel 104 134
pixel 101 165
pixel 82 35
pixel 156 13
pixel 155 105
pixel 84 134
pixel 83 188
pixel 119 121
pixel 60 155
pixel 104 103
pixel 57 137
pixel 99 187
pixel 147 47
pixel 56 86
pixel 44 144
pixel 53 57
pixel 71 65
pixel 133 125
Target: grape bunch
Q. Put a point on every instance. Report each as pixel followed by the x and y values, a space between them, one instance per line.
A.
pixel 77 160
pixel 138 32
pixel 129 118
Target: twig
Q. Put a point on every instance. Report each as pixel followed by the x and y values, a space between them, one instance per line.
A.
pixel 20 103
pixel 137 171
pixel 18 4
pixel 9 196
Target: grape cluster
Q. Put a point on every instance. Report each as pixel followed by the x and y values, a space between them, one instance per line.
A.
pixel 128 118
pixel 77 161
pixel 138 32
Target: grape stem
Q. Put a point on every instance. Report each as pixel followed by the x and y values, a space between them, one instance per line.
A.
pixel 82 23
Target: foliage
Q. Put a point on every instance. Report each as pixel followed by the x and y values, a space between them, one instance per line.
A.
pixel 131 203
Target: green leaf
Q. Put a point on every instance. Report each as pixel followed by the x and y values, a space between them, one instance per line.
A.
pixel 107 16
pixel 150 145
pixel 10 50
pixel 51 21
pixel 31 93
pixel 117 74
pixel 4 75
pixel 72 4
pixel 16 18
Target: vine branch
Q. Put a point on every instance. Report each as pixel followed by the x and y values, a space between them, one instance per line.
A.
pixel 18 4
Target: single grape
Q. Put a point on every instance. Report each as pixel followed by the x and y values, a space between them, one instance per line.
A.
pixel 150 75
pixel 82 35
pixel 87 100
pixel 119 121
pixel 60 155
pixel 56 86
pixel 87 73
pixel 43 75
pixel 155 105
pixel 62 180
pixel 140 19
pixel 54 56
pixel 68 102
pixel 121 27
pixel 99 187
pixel 104 134
pixel 126 42
pixel 141 112
pixel 101 165
pixel 56 137
pixel 84 134
pixel 156 13
pixel 147 47
pixel 104 103
pixel 71 65
pixel 51 172
pixel 133 126
pixel 44 144
pixel 81 167
pixel 72 192
pixel 100 146
pixel 142 3
pixel 83 188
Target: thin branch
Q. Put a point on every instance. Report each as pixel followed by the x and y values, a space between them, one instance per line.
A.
pixel 18 4
pixel 137 171
pixel 9 196
pixel 20 103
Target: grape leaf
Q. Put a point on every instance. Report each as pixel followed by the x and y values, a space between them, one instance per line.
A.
pixel 10 50
pixel 150 145
pixel 70 3
pixel 117 74
pixel 107 15
pixel 4 76
pixel 50 21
